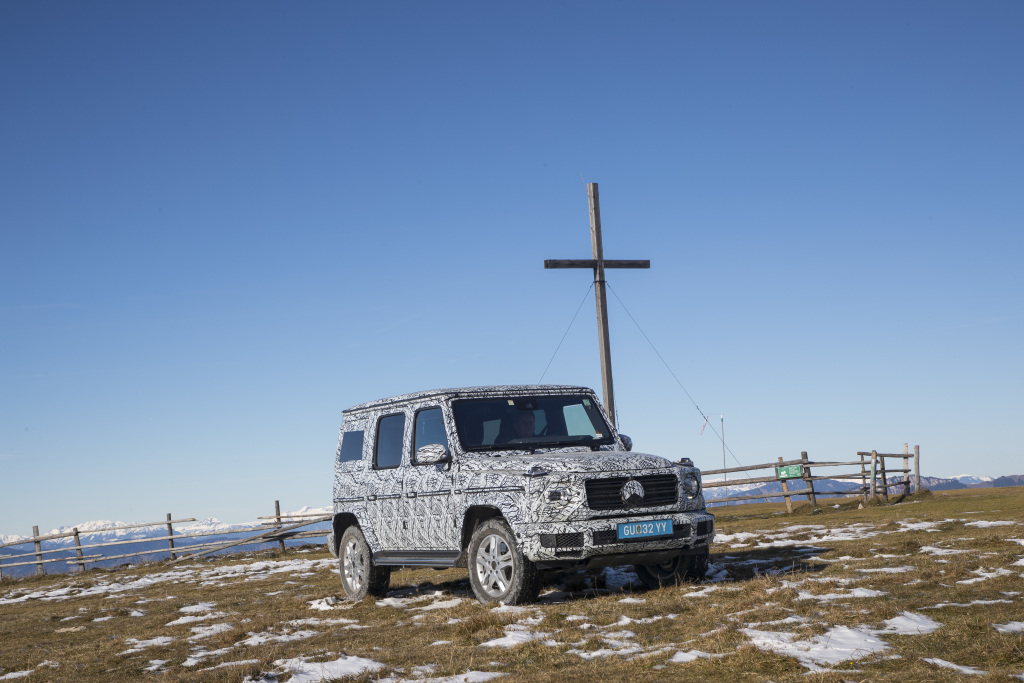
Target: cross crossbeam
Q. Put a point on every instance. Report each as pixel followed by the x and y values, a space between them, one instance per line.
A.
pixel 598 264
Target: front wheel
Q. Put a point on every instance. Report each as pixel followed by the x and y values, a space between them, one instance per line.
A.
pixel 498 571
pixel 679 569
pixel 359 575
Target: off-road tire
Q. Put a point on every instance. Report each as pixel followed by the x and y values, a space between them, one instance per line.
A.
pixel 498 571
pixel 359 575
pixel 680 569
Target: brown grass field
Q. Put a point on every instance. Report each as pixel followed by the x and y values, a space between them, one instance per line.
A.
pixel 786 595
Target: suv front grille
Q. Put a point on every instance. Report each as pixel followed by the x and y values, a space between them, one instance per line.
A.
pixel 606 494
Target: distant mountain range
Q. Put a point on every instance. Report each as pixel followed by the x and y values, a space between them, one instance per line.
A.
pixel 772 490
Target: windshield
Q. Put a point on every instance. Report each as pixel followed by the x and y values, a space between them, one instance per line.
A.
pixel 529 422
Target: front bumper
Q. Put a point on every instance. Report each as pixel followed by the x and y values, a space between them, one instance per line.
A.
pixel 594 543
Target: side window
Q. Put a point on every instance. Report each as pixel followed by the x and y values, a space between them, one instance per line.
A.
pixel 388 452
pixel 351 446
pixel 429 429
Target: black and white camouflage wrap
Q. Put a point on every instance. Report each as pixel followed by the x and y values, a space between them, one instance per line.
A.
pixel 424 507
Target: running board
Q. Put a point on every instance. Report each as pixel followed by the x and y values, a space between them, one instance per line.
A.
pixel 417 558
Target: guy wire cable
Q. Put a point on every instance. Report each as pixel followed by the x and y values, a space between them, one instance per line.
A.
pixel 578 309
pixel 667 367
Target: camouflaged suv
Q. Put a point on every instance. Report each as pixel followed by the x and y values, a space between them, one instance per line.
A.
pixel 508 481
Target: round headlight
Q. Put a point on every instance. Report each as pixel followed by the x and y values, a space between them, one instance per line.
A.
pixel 691 486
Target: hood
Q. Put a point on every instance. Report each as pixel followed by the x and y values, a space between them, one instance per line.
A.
pixel 564 461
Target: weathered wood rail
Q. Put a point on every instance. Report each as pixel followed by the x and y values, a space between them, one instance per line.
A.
pixel 871 468
pixel 281 528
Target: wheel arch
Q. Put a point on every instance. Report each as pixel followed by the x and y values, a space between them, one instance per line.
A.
pixel 474 517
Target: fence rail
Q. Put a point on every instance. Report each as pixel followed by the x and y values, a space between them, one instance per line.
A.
pixel 283 527
pixel 871 466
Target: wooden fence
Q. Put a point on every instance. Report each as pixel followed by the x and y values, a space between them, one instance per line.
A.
pixel 870 468
pixel 278 529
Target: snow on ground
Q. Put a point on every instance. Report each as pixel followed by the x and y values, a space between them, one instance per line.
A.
pixel 967 670
pixel 1012 627
pixel 304 671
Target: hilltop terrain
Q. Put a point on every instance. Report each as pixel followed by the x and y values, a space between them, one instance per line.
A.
pixel 927 589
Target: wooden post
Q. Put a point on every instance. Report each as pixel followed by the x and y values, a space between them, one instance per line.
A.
pixel 277 513
pixel 78 550
pixel 785 492
pixel 598 263
pixel 906 469
pixel 807 479
pixel 863 478
pixel 170 537
pixel 917 469
pixel 885 481
pixel 874 464
pixel 39 551
pixel 607 387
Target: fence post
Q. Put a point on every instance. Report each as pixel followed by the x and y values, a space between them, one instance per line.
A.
pixel 785 492
pixel 277 513
pixel 39 551
pixel 863 478
pixel 874 465
pixel 885 481
pixel 917 469
pixel 807 479
pixel 78 550
pixel 170 537
pixel 906 469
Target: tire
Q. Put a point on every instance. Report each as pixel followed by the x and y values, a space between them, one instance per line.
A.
pixel 498 571
pixel 359 575
pixel 680 569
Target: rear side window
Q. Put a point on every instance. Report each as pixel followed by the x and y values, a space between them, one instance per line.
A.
pixel 351 446
pixel 390 430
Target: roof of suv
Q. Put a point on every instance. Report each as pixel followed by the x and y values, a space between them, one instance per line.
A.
pixel 495 390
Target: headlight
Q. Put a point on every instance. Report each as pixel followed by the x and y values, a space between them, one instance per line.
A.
pixel 691 485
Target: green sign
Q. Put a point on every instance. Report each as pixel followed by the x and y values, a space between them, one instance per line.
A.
pixel 788 472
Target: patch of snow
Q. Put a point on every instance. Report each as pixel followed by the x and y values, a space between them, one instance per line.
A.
pixel 633 601
pixel 440 604
pixel 515 637
pixel 303 671
pixel 839 644
pixel 967 670
pixel 191 619
pixel 682 657
pixel 984 524
pixel 935 550
pixel 983 575
pixel 155 664
pixel 140 645
pixel 201 632
pixel 909 624
pixel 222 665
pixel 969 604
pixel 1011 627
pixel 260 638
pixel 200 607
pixel 888 570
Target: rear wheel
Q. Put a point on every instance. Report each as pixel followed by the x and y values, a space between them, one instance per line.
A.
pixel 359 575
pixel 498 571
pixel 680 569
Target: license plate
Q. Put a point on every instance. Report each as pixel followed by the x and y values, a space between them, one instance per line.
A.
pixel 658 527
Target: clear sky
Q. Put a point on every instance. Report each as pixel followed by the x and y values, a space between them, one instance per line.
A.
pixel 223 223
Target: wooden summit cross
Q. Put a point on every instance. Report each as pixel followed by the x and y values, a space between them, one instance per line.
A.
pixel 599 263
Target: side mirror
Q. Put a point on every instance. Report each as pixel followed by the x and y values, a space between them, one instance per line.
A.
pixel 627 442
pixel 432 454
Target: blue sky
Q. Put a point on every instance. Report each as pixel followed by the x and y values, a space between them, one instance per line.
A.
pixel 223 223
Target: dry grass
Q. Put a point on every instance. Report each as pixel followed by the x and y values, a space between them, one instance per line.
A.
pixel 764 584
